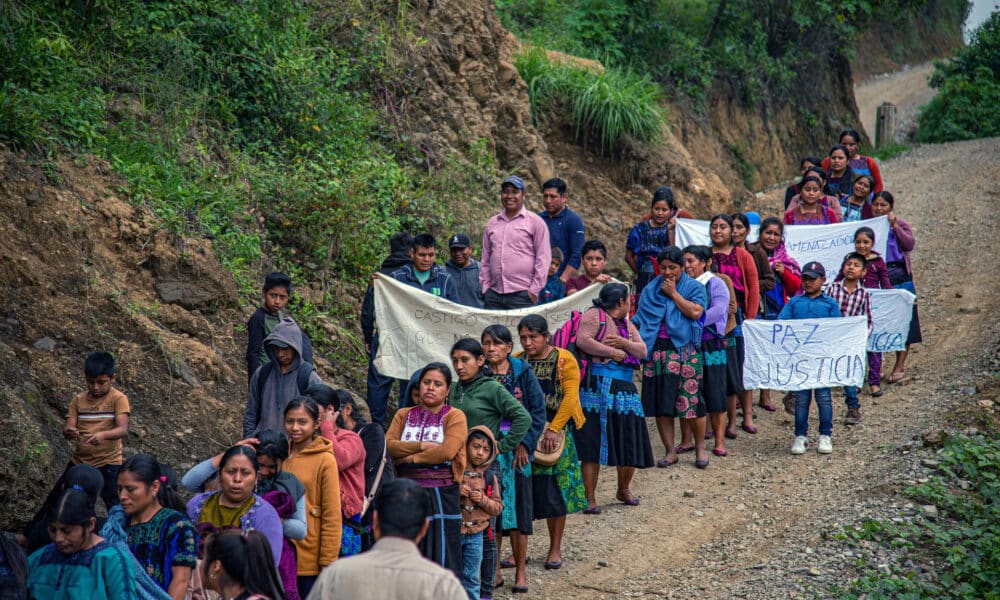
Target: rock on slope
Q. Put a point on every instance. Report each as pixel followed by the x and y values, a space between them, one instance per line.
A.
pixel 82 270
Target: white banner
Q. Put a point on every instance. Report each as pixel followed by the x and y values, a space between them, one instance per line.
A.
pixel 891 313
pixel 805 354
pixel 824 243
pixel 693 231
pixel 828 244
pixel 415 327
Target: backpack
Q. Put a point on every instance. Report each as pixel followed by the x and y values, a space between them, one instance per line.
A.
pixel 565 337
pixel 302 377
pixel 381 473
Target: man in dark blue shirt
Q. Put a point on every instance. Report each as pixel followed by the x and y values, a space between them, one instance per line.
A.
pixel 565 226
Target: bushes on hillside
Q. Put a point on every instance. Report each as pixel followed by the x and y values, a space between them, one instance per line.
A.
pixel 968 85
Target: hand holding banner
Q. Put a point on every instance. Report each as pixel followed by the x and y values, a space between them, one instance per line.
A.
pixel 805 354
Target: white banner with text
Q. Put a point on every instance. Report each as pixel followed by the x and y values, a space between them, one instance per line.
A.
pixel 415 327
pixel 805 354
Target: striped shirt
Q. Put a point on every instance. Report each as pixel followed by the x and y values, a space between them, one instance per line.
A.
pixel 93 415
pixel 852 304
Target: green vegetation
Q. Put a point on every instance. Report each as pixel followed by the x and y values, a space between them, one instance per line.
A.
pixel 968 85
pixel 600 105
pixel 252 123
pixel 963 542
pixel 760 48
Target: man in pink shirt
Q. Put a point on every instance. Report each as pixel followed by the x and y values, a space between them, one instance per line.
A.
pixel 516 252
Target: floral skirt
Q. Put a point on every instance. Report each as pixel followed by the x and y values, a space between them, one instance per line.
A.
pixel 671 382
pixel 614 433
pixel 558 490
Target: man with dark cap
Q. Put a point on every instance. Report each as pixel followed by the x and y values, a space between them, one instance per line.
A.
pixel 464 271
pixel 516 252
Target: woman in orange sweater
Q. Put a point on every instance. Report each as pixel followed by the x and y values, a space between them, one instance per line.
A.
pixel 311 460
pixel 427 442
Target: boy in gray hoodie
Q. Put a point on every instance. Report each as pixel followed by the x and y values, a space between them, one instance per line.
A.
pixel 275 383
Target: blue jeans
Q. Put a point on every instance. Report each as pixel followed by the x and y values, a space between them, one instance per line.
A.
pixel 851 397
pixel 823 403
pixel 472 560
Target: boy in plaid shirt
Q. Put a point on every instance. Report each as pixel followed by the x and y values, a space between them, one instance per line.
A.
pixel 854 301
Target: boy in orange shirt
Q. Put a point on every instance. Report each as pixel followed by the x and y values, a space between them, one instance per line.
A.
pixel 98 420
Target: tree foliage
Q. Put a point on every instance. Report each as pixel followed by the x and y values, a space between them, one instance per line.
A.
pixel 968 85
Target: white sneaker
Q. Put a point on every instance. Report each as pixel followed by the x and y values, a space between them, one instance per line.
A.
pixel 800 444
pixel 825 444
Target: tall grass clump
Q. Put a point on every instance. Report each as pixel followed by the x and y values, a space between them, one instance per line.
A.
pixel 602 106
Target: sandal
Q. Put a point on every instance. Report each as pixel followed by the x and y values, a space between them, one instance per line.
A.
pixel 682 449
pixel 768 406
pixel 663 463
pixel 896 377
pixel 626 498
pixel 876 393
pixel 592 510
pixel 748 428
pixel 507 564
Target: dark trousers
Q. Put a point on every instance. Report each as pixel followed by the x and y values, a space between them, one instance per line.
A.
pixel 379 389
pixel 496 301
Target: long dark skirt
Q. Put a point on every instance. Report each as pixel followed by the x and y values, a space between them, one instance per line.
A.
pixel 671 382
pixel 914 336
pixel 735 353
pixel 443 542
pixel 615 432
pixel 515 488
pixel 714 375
pixel 558 490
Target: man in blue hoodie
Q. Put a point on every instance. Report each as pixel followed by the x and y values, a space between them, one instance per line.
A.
pixel 275 383
pixel 423 274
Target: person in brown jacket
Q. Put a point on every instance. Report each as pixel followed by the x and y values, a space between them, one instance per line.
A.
pixel 480 500
pixel 312 461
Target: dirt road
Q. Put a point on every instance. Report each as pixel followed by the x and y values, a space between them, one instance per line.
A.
pixel 753 524
pixel 908 90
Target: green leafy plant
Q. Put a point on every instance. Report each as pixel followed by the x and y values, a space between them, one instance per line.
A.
pixel 964 540
pixel 599 105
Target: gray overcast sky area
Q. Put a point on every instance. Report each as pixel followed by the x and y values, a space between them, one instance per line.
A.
pixel 981 9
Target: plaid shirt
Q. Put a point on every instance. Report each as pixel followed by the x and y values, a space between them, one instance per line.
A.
pixel 852 304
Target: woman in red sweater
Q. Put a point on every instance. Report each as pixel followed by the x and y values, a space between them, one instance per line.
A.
pixel 349 451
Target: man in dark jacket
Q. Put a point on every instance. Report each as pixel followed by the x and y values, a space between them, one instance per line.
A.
pixel 464 270
pixel 379 385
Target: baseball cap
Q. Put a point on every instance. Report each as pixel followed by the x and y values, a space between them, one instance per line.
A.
pixel 459 240
pixel 813 269
pixel 515 181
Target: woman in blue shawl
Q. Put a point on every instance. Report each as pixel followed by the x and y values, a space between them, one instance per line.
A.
pixel 668 319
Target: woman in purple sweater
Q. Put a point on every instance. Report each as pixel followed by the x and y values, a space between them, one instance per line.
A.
pixel 897 262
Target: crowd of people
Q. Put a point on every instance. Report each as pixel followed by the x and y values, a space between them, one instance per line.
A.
pixel 317 501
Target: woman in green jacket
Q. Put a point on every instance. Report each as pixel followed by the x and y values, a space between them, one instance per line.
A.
pixel 485 401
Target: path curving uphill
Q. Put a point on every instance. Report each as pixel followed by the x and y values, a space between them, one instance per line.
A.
pixel 756 523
